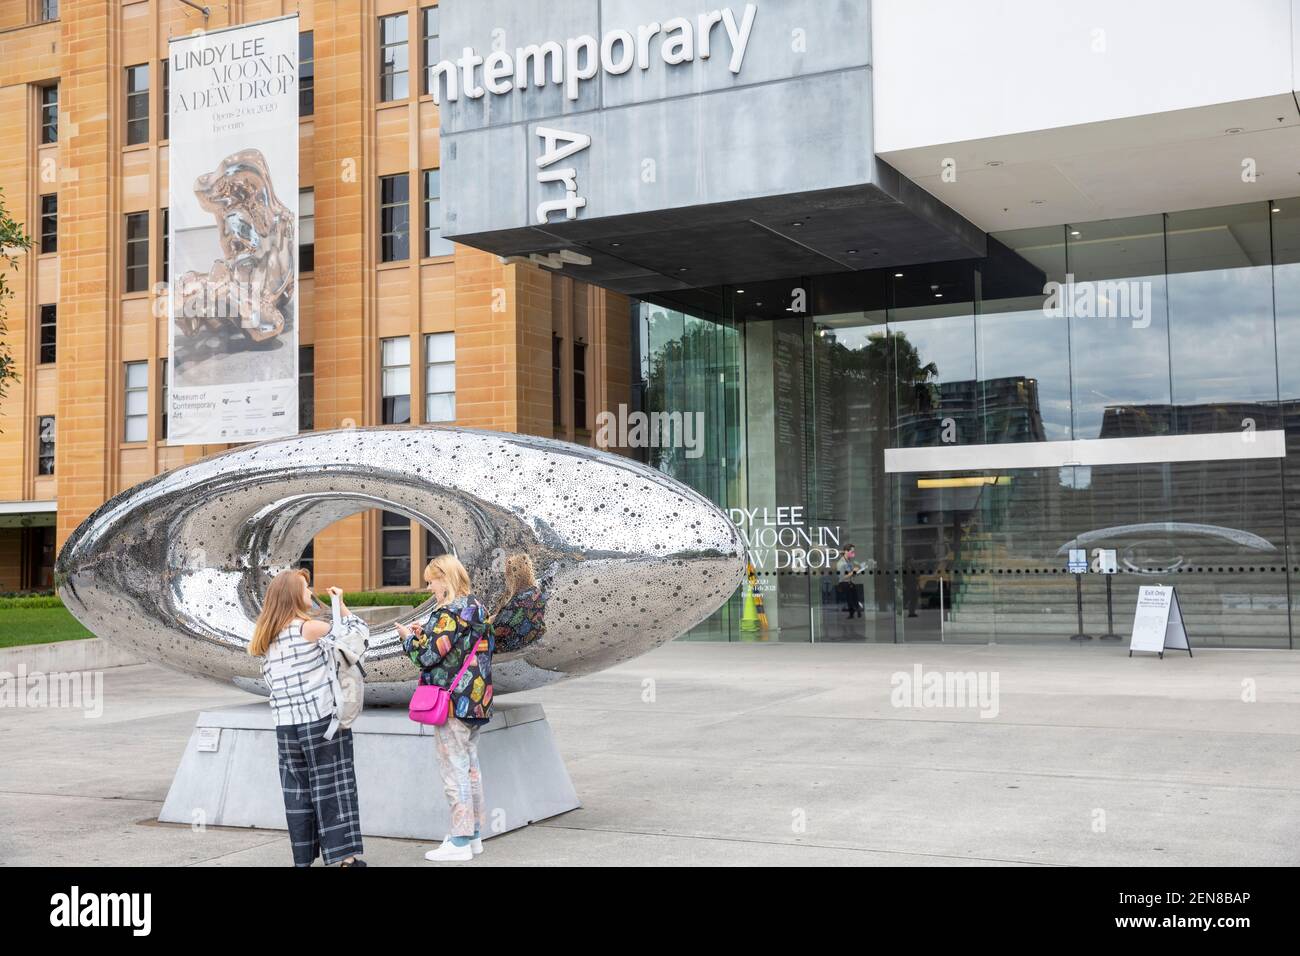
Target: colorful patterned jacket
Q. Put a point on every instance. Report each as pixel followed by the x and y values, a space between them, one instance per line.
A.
pixel 452 631
pixel 521 621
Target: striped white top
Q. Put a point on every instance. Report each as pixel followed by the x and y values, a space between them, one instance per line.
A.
pixel 296 672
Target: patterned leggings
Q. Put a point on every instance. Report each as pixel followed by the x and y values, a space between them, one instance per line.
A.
pixel 457 744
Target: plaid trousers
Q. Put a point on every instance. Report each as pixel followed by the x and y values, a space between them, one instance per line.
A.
pixel 320 792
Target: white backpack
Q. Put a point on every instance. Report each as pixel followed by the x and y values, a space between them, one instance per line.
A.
pixel 347 643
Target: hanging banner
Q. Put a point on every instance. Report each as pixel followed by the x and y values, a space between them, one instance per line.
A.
pixel 233 200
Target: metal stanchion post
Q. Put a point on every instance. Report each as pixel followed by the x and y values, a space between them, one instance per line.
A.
pixel 1078 598
pixel 1078 566
pixel 1110 634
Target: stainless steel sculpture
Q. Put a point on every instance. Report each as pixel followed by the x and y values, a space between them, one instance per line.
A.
pixel 174 567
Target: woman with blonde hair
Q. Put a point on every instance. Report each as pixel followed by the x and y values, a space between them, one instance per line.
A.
pixel 520 615
pixel 316 773
pixel 456 641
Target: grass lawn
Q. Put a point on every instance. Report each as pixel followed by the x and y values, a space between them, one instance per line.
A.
pixel 38 625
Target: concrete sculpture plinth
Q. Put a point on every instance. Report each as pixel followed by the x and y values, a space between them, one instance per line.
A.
pixel 237 784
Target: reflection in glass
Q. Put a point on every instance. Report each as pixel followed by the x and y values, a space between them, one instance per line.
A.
pixel 852 380
pixel 1221 318
pixel 1170 325
pixel 936 402
pixel 1023 348
pixel 1012 518
pixel 778 383
pixel 686 417
pixel 1117 308
pixel 1285 218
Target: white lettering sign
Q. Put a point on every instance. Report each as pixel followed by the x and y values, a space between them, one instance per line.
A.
pixel 558 145
pixel 581 58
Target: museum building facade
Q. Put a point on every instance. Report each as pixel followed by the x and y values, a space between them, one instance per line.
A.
pixel 964 286
pixel 397 324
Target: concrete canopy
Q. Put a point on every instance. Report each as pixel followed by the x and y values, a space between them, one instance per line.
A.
pixel 633 160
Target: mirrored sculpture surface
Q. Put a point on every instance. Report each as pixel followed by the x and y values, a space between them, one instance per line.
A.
pixel 174 567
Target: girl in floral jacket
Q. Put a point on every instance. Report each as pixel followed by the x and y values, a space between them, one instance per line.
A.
pixel 456 628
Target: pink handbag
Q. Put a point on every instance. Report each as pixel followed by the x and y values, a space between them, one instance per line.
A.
pixel 431 704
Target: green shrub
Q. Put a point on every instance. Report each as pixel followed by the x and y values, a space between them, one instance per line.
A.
pixel 355 599
pixel 30 601
pixel 383 598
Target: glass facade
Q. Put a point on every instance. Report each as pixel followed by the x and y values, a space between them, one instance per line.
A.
pixel 833 414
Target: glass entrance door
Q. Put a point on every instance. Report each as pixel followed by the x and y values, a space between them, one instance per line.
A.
pixel 850 398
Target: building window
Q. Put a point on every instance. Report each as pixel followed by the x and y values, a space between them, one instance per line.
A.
pixel 49 114
pixel 137 104
pixel 432 47
pixel 36 545
pixel 557 381
pixel 45 445
pixel 49 10
pixel 164 395
pixel 395 355
pixel 49 332
pixel 137 251
pixel 433 545
pixel 306 73
pixel 136 404
pixel 306 388
pixel 306 230
pixel 163 67
pixel 50 223
pixel 166 243
pixel 395 550
pixel 394 218
pixel 579 386
pixel 434 244
pixel 394 58
pixel 440 377
pixel 307 561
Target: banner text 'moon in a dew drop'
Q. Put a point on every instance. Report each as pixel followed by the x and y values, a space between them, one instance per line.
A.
pixel 233 208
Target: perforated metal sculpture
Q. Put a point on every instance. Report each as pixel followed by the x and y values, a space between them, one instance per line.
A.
pixel 174 567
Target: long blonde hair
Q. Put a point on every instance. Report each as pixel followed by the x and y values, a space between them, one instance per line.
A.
pixel 520 576
pixel 284 603
pixel 447 567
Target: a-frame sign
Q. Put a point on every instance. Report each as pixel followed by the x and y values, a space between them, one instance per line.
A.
pixel 1158 622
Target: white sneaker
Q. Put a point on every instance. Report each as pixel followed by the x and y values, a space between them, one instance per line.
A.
pixel 476 844
pixel 450 853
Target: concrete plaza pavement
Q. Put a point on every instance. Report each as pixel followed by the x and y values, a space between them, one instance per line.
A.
pixel 751 754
